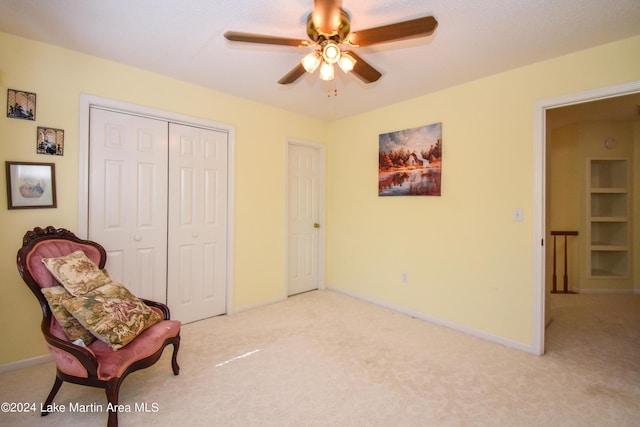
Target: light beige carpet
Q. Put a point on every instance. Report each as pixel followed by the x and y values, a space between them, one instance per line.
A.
pixel 326 359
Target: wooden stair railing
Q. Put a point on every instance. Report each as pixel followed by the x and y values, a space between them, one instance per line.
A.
pixel 554 289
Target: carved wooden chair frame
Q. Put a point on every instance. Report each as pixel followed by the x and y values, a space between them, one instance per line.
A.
pixel 86 360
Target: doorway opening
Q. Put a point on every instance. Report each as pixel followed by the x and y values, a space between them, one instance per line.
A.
pixel 542 122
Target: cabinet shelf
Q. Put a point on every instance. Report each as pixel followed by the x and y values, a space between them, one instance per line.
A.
pixel 602 246
pixel 610 263
pixel 608 217
pixel 609 205
pixel 608 173
pixel 613 233
pixel 609 190
pixel 606 274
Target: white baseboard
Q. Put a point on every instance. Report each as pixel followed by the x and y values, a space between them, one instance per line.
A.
pixel 460 328
pixel 260 304
pixel 19 364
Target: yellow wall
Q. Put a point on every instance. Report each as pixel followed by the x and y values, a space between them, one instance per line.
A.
pixel 58 77
pixel 467 262
pixel 565 204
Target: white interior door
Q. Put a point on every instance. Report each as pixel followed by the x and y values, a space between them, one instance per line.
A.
pixel 128 162
pixel 197 222
pixel 303 218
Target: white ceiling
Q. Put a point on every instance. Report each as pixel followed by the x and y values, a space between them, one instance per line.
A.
pixel 184 39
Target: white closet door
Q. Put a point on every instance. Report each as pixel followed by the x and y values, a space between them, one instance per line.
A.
pixel 128 163
pixel 303 218
pixel 197 222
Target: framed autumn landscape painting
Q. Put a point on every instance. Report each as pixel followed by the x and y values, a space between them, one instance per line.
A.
pixel 410 162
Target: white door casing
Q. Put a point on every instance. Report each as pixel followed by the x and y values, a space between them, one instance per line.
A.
pixel 197 222
pixel 304 218
pixel 539 192
pixel 224 210
pixel 128 198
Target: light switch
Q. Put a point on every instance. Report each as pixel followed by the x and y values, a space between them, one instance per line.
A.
pixel 517 214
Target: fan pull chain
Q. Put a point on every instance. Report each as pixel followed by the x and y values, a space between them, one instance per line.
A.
pixel 335 90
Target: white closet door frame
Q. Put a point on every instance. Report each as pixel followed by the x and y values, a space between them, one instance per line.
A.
pixel 86 101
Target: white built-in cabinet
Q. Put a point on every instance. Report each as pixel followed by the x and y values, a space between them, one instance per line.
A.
pixel 158 204
pixel 609 219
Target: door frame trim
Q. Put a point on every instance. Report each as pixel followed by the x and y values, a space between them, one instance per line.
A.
pixel 88 101
pixel 321 211
pixel 539 192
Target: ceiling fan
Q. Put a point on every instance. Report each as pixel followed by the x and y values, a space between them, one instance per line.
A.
pixel 328 27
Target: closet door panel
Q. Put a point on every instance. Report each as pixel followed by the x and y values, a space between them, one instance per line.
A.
pixel 197 222
pixel 128 163
pixel 158 204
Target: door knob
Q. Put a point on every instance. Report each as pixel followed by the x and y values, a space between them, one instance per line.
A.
pixel 137 238
pixel 316 225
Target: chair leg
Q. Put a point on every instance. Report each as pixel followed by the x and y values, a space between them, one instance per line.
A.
pixel 54 390
pixel 112 389
pixel 174 358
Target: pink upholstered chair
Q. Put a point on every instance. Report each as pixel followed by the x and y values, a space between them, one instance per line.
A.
pixel 96 365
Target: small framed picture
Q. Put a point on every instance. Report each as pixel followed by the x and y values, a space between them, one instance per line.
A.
pixel 31 185
pixel 50 141
pixel 21 104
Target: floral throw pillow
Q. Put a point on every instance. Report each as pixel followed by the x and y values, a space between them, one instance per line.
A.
pixel 76 272
pixel 55 295
pixel 112 314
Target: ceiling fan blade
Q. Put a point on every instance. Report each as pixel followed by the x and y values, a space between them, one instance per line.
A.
pixel 292 75
pixel 421 27
pixel 259 38
pixel 363 70
pixel 326 15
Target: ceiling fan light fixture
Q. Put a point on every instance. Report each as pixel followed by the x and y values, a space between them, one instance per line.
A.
pixel 311 61
pixel 346 62
pixel 329 29
pixel 331 52
pixel 326 71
